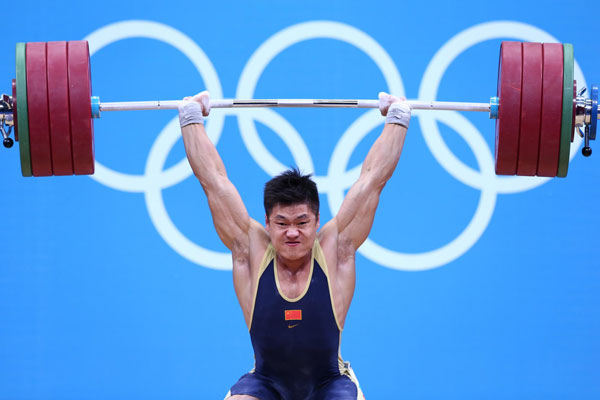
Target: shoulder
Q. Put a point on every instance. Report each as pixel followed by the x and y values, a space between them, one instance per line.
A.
pixel 259 241
pixel 328 236
pixel 256 239
pixel 247 259
pixel 247 252
pixel 334 241
pixel 337 247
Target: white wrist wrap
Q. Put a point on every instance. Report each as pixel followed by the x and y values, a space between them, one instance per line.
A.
pixel 190 112
pixel 398 113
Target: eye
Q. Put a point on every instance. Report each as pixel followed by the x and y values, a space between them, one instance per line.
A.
pixel 303 223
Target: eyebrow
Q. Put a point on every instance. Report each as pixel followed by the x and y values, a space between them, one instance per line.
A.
pixel 302 216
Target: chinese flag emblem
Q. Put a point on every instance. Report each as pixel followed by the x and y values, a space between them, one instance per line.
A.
pixel 293 315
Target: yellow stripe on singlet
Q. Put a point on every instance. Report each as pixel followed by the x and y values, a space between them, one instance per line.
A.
pixel 344 366
pixel 320 257
pixel 269 255
pixel 312 266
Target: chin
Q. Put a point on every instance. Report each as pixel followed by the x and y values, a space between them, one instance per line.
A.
pixel 295 253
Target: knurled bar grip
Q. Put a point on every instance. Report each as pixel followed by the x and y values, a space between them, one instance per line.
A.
pixel 234 103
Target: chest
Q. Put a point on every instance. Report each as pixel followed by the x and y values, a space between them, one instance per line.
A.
pixel 293 285
pixel 307 306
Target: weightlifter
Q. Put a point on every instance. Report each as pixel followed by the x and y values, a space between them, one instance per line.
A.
pixel 293 281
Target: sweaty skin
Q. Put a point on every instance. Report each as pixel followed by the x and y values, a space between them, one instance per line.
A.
pixel 292 229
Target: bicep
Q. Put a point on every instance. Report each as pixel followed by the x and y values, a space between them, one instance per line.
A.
pixel 357 213
pixel 230 217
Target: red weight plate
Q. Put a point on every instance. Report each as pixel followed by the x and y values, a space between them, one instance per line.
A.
pixel 552 101
pixel 80 107
pixel 37 106
pixel 14 95
pixel 531 109
pixel 509 114
pixel 60 122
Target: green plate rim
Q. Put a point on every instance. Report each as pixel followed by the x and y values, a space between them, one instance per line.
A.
pixel 21 77
pixel 567 113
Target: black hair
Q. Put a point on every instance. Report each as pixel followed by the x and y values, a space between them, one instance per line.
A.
pixel 291 187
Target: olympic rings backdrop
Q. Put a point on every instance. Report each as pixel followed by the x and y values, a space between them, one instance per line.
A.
pixel 470 286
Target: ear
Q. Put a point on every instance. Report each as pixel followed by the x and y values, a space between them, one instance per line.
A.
pixel 267 225
pixel 318 222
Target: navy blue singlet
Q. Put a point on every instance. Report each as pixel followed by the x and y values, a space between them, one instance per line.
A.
pixel 296 341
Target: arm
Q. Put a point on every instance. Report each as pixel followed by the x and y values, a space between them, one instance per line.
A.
pixel 230 217
pixel 245 237
pixel 341 236
pixel 354 220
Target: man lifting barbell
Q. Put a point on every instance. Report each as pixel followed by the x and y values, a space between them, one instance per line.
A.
pixel 286 272
pixel 293 281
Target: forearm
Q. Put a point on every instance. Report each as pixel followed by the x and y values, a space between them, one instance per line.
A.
pixel 202 155
pixel 381 161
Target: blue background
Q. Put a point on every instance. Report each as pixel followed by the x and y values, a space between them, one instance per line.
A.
pixel 95 303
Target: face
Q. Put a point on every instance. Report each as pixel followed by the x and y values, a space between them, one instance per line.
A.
pixel 293 230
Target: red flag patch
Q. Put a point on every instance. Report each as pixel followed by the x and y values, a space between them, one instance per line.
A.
pixel 293 315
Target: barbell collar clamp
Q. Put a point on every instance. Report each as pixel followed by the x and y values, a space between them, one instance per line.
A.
pixel 586 150
pixel 6 129
pixel 95 107
pixel 584 111
pixel 494 107
pixel 7 119
pixel 6 104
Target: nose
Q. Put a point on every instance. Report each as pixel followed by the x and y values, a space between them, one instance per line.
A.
pixel 292 232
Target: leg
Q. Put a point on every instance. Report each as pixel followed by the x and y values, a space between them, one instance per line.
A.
pixel 342 387
pixel 252 387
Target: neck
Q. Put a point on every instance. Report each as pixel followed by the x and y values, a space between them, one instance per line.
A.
pixel 294 266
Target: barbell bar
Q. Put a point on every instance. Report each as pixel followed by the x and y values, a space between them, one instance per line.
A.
pixel 537 109
pixel 98 107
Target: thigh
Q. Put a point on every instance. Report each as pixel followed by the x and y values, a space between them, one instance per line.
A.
pixel 252 386
pixel 339 388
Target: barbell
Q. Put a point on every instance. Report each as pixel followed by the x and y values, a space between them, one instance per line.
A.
pixel 537 109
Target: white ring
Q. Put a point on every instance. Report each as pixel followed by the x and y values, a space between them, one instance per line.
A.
pixel 155 179
pixel 268 51
pixel 153 30
pixel 458 246
pixel 158 212
pixel 431 82
pixel 338 179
